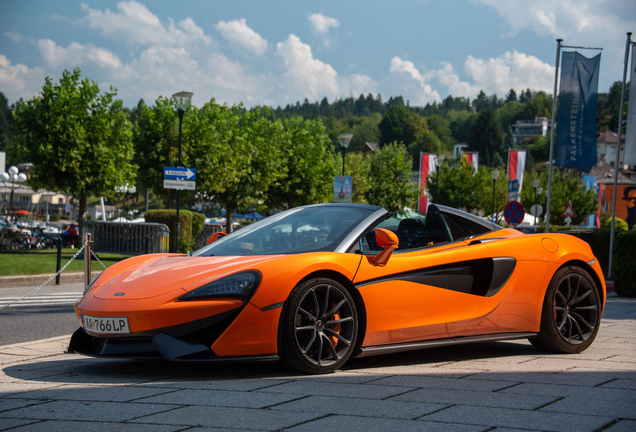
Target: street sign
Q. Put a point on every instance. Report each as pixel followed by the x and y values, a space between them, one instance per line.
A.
pixel 514 213
pixel 179 173
pixel 536 210
pixel 179 184
pixel 513 185
pixel 568 212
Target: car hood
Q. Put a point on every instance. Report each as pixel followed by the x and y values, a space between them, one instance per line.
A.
pixel 161 274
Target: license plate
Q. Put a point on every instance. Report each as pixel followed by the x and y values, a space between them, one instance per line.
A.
pixel 106 325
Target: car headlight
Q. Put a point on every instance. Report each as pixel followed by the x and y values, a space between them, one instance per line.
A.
pixel 237 285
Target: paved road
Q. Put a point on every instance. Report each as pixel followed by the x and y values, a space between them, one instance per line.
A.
pixel 45 314
pixel 498 386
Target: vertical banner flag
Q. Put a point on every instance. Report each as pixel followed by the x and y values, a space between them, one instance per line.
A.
pixel 630 136
pixel 428 165
pixel 516 167
pixel 589 181
pixel 576 120
pixel 471 159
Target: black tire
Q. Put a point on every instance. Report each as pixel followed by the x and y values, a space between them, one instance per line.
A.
pixel 571 313
pixel 319 327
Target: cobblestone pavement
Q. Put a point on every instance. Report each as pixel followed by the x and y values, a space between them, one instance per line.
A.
pixel 498 386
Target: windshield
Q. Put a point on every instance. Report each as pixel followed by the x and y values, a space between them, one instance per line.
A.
pixel 302 229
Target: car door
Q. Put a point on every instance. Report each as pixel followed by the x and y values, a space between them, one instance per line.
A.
pixel 432 287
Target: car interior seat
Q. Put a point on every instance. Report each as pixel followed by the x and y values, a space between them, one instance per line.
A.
pixel 435 226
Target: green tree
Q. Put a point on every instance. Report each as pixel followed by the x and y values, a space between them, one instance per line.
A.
pixel 393 124
pixel 511 96
pixel 390 185
pixel 567 185
pixel 441 127
pixel 358 166
pixel 78 139
pixel 485 137
pixel 241 156
pixel 309 165
pixel 6 135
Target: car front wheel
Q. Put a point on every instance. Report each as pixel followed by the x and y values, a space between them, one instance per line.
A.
pixel 319 327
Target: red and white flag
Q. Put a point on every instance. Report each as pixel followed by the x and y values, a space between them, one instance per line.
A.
pixel 471 159
pixel 428 165
pixel 516 167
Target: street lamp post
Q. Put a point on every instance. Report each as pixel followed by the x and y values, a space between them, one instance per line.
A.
pixel 535 185
pixel 181 101
pixel 494 174
pixel 344 139
pixel 438 162
pixel 14 179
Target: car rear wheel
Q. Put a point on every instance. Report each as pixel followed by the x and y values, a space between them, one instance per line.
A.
pixel 319 327
pixel 571 313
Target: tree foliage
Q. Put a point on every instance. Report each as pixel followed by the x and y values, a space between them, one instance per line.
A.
pixel 308 165
pixel 390 186
pixel 485 137
pixel 394 124
pixel 78 139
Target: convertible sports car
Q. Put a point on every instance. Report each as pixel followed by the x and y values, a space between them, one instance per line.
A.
pixel 318 284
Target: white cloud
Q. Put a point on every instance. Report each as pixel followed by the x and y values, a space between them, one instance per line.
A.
pixel 238 33
pixel 405 74
pixel 19 81
pixel 322 24
pixel 495 75
pixel 135 24
pixel 15 36
pixel 592 23
pixel 75 54
pixel 308 76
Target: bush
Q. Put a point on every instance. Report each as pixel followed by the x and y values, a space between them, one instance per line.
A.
pixel 197 224
pixel 624 264
pixel 54 217
pixel 599 240
pixel 168 217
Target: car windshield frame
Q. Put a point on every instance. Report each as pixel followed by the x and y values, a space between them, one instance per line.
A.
pixel 314 228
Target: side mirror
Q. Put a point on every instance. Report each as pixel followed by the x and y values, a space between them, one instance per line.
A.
pixel 387 240
pixel 214 237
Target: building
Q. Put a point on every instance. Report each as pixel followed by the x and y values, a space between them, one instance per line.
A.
pixel 529 128
pixel 25 198
pixel 606 148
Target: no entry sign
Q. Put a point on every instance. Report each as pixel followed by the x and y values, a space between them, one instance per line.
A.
pixel 514 213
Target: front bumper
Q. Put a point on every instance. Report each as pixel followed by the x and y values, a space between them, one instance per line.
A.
pixel 188 342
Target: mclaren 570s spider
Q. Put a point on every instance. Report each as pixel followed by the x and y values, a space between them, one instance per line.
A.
pixel 316 285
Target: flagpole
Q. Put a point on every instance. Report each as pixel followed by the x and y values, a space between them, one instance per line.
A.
pixel 554 102
pixel 419 180
pixel 618 152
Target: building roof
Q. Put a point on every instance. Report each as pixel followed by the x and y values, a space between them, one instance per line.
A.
pixel 604 173
pixel 608 137
pixel 370 147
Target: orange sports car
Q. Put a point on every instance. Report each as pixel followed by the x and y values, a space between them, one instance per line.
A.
pixel 316 285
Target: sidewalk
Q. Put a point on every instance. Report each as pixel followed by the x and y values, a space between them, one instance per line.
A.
pixel 498 386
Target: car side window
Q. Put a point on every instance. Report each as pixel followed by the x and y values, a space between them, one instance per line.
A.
pixel 413 231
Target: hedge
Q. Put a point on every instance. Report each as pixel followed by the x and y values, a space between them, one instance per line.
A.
pixel 168 217
pixel 624 258
pixel 624 264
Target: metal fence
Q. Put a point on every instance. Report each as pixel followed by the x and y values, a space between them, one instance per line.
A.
pixel 128 238
pixel 206 232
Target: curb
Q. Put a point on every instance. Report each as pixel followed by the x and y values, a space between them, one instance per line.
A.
pixel 21 280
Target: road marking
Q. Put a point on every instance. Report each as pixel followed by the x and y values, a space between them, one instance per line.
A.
pixel 43 300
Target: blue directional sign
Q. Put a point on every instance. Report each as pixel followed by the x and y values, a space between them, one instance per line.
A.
pixel 513 185
pixel 179 173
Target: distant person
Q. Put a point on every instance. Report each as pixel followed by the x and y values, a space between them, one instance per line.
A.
pixel 64 234
pixel 629 196
pixel 72 232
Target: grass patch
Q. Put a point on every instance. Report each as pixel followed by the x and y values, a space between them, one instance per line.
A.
pixel 13 263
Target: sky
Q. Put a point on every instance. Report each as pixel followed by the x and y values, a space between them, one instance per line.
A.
pixel 281 51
